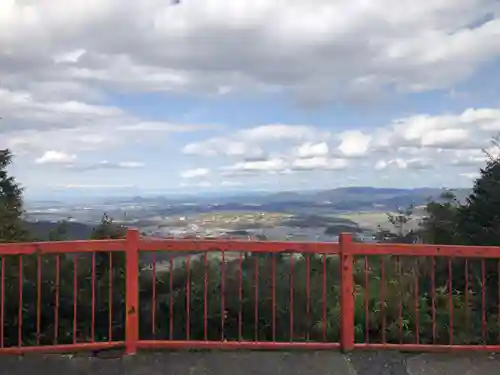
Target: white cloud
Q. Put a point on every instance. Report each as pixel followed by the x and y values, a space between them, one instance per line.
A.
pixel 92 186
pixel 195 173
pixel 416 135
pixel 34 123
pixel 69 57
pixel 445 138
pixel 464 158
pixel 269 165
pixel 411 143
pixel 105 164
pixel 349 49
pixel 319 163
pixel 57 92
pixel 223 147
pixel 354 144
pixel 130 164
pixel 55 157
pixel 310 150
pixel 198 184
pixel 249 143
pixel 277 132
pixel 229 183
pixel 414 163
pixel 474 157
pixel 164 127
pixel 278 165
pixel 469 129
pixel 98 134
pixel 22 110
pixel 470 175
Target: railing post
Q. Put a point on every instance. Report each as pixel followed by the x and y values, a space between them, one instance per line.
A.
pixel 132 290
pixel 346 293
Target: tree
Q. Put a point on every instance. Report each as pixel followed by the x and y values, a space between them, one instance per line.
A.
pixel 60 232
pixel 479 217
pixel 439 226
pixel 400 221
pixel 11 203
pixel 107 230
pixel 335 230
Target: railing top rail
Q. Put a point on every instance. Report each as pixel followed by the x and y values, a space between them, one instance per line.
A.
pixel 61 247
pixel 202 245
pixel 425 250
pixel 247 246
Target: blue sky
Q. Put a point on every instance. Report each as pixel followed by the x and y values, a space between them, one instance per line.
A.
pixel 218 96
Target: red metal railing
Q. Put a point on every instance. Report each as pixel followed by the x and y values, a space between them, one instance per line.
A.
pixel 39 306
pixel 142 294
pixel 246 277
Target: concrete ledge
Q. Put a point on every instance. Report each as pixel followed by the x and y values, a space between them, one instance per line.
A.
pixel 255 363
pixel 460 364
pixel 184 363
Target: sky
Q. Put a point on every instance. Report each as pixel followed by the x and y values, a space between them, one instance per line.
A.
pixel 158 96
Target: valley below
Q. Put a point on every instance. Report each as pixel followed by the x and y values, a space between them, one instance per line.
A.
pixel 286 216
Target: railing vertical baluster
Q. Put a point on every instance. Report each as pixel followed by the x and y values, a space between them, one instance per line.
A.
pixel 291 286
pixel 416 301
pixel 223 295
pixel 400 299
pixel 92 328
pixel 21 304
pixel 153 298
pixel 188 297
pixel 110 297
pixel 483 301
pixel 273 287
pixel 346 293
pixel 171 298
pixel 433 298
pixel 240 296
pixel 2 302
pixel 466 291
pixel 205 296
pixel 308 295
pixel 382 297
pixel 75 298
pixel 256 291
pixel 38 297
pixel 498 305
pixel 56 301
pixel 132 290
pixel 323 299
pixel 365 300
pixel 450 301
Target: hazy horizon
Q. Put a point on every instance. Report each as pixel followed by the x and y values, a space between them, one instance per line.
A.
pixel 75 196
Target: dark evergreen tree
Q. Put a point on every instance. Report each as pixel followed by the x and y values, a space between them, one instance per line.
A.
pixel 479 217
pixel 11 203
pixel 439 226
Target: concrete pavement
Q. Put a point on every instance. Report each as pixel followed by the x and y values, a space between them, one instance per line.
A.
pixel 256 363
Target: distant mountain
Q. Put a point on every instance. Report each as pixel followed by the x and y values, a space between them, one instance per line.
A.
pixel 361 198
pixel 347 198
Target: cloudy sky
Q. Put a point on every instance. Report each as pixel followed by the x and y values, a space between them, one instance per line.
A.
pixel 214 95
